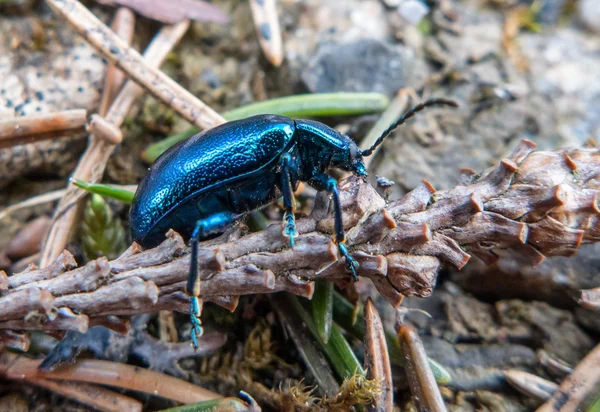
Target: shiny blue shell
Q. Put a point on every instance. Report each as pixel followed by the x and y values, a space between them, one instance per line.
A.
pixel 226 168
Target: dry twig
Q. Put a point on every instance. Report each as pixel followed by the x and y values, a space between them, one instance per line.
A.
pixel 424 389
pixel 93 161
pixel 530 385
pixel 30 129
pixel 377 359
pixel 132 63
pixel 264 13
pixel 123 25
pixel 131 377
pixel 95 396
pixel 584 381
pixel 536 204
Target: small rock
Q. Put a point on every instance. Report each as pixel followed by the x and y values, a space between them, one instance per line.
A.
pixel 363 66
pixel 550 11
pixel 589 14
pixel 412 11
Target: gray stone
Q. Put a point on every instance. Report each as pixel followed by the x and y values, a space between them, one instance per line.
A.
pixel 362 66
pixel 412 11
pixel 588 12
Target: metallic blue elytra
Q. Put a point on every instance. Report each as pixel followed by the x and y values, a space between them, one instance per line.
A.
pixel 204 184
pixel 216 170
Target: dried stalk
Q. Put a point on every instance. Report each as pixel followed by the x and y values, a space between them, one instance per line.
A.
pixel 377 359
pixel 264 13
pixel 129 60
pixel 123 25
pixel 421 381
pixel 95 396
pixel 14 366
pixel 30 129
pixel 530 385
pixel 573 391
pixel 93 161
pixel 536 204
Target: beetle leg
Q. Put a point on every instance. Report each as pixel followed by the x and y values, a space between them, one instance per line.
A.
pixel 340 236
pixel 289 202
pixel 193 286
pixel 204 227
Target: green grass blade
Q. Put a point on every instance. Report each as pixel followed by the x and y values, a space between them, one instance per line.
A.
pixel 116 193
pixel 225 404
pixel 314 105
pixel 303 105
pixel 322 308
pixel 337 350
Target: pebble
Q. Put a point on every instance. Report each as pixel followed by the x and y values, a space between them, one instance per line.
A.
pixel 366 65
pixel 588 12
pixel 413 11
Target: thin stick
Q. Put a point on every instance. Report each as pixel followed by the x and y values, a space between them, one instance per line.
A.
pixel 108 373
pixel 573 391
pixel 46 198
pixel 30 129
pixel 377 359
pixel 420 377
pixel 92 395
pixel 264 13
pixel 123 25
pixel 93 161
pixel 132 63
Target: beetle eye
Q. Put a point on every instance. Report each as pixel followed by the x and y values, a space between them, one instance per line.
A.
pixel 353 151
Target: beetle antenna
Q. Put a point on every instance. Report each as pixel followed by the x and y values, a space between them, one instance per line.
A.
pixel 405 117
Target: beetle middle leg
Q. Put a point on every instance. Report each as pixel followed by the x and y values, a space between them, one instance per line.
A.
pixel 330 184
pixel 214 224
pixel 288 166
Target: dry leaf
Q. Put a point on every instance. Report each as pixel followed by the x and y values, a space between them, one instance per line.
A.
pixel 173 11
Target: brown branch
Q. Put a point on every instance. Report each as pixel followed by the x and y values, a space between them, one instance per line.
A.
pixel 575 389
pixel 535 204
pixel 123 25
pixel 14 366
pixel 264 14
pixel 95 396
pixel 127 59
pixel 377 359
pixel 421 381
pixel 30 129
pixel 92 163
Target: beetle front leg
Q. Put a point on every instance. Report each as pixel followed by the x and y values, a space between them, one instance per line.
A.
pixel 289 202
pixel 330 184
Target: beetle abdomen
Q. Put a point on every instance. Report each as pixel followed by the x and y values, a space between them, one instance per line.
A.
pixel 217 158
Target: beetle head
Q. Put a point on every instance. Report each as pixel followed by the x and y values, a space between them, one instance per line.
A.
pixel 348 157
pixel 355 160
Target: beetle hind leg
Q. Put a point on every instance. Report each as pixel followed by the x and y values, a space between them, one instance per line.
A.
pixel 288 166
pixel 214 224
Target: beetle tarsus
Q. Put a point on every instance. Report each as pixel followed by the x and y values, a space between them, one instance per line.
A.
pixel 351 263
pixel 288 166
pixel 195 313
pixel 290 227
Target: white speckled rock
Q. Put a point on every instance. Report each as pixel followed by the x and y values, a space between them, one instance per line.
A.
pixel 588 12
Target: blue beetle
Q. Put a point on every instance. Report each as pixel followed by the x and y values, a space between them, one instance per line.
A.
pixel 204 184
